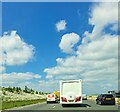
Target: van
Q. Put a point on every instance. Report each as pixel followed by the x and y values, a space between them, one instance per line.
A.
pixel 70 92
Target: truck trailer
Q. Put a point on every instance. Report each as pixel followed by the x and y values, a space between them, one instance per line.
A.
pixel 70 92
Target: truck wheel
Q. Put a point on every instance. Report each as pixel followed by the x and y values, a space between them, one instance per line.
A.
pixel 47 102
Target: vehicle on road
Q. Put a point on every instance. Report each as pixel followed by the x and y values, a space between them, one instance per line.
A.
pixel 70 92
pixel 105 99
pixel 84 97
pixel 51 98
pixel 57 93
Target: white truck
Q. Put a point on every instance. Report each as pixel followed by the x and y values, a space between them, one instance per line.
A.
pixel 70 92
pixel 51 98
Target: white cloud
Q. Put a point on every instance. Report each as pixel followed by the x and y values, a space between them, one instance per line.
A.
pixel 68 41
pixel 104 70
pixel 37 76
pixel 18 77
pixel 93 56
pixel 61 25
pixel 2 69
pixel 14 50
pixel 96 59
pixel 105 47
pixel 102 14
pixel 86 37
pixel 114 27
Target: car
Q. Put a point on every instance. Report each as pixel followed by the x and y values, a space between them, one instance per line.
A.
pixel 51 98
pixel 105 99
pixel 84 97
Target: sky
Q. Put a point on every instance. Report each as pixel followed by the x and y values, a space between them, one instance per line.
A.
pixel 43 43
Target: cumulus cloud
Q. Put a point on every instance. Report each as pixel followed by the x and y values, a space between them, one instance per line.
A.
pixel 93 63
pixel 14 77
pixel 96 55
pixel 2 69
pixel 101 17
pixel 13 50
pixel 61 25
pixel 96 58
pixel 106 47
pixel 68 41
pixel 114 27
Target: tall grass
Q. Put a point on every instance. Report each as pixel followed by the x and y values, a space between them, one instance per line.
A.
pixel 11 104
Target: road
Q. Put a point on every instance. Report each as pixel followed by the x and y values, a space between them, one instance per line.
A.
pixel 86 105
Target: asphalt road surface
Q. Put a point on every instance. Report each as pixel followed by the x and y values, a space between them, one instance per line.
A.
pixel 86 105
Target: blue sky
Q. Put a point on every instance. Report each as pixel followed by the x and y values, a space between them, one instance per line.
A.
pixel 35 23
pixel 50 52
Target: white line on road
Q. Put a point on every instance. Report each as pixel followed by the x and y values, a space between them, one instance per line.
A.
pixel 54 106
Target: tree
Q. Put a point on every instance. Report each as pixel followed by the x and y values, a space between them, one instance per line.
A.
pixel 17 89
pixel 39 92
pixel 10 89
pixel 36 92
pixel 14 89
pixel 26 89
pixel 42 93
pixel 31 91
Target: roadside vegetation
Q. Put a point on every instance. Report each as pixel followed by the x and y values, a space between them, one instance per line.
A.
pixel 117 101
pixel 16 96
pixel 11 104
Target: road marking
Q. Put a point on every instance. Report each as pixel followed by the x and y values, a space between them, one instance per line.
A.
pixel 54 106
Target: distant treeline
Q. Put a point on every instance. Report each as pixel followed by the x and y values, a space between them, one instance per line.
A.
pixel 19 90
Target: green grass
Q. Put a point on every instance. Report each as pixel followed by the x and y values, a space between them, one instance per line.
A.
pixel 117 100
pixel 11 104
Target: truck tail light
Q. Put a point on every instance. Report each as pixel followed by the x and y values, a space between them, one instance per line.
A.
pixel 53 95
pixel 64 99
pixel 48 96
pixel 77 99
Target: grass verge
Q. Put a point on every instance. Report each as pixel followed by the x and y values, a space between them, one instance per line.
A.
pixel 117 101
pixel 11 104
